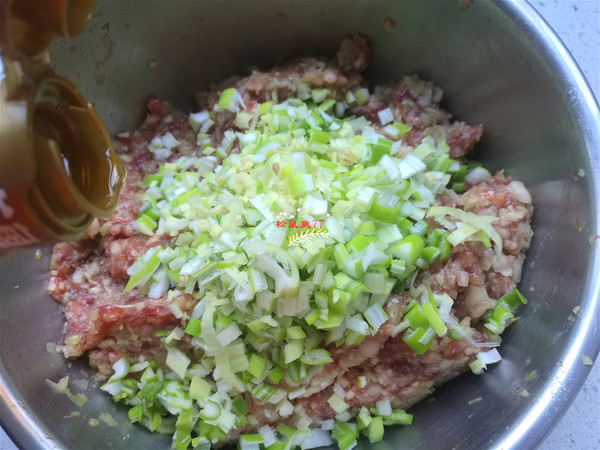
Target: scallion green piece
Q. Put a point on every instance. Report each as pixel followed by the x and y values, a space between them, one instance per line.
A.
pixel 316 357
pixel 375 430
pixel 412 339
pixel 345 436
pixel 376 316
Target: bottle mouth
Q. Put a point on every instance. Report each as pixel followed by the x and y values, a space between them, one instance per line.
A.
pixel 76 161
pixel 32 25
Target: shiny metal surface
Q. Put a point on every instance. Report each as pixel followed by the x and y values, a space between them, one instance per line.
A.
pixel 498 63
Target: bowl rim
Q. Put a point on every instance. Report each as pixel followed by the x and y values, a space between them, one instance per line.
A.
pixel 563 384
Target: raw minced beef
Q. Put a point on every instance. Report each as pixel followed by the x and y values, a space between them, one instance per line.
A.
pixel 88 276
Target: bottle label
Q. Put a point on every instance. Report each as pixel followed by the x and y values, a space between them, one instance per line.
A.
pixel 12 233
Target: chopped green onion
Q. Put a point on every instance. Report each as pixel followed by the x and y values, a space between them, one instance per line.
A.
pixel 413 338
pixel 319 95
pixel 193 327
pixel 432 315
pixel 384 407
pixel 398 417
pixel 250 441
pixel 477 366
pixel 375 430
pixel 363 418
pixel 276 375
pixel 345 436
pixel 457 334
pixel 337 403
pixel 121 368
pixel 142 273
pixel 230 100
pixel 409 249
pixel 199 388
pixel 257 365
pixel 316 357
pixel 383 213
pixel 480 222
pixel 499 320
pixel 361 96
pixel 376 316
pixel 385 116
pixel 511 300
pixel 177 361
pixel 211 410
pixel 293 350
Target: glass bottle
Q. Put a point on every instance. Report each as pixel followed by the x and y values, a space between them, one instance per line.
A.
pixel 58 169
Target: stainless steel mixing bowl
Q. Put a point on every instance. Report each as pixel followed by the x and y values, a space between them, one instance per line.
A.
pixel 499 64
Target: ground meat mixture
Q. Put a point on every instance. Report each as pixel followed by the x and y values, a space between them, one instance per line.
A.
pixel 88 276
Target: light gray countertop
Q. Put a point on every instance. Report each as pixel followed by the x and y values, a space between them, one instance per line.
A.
pixel 577 23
